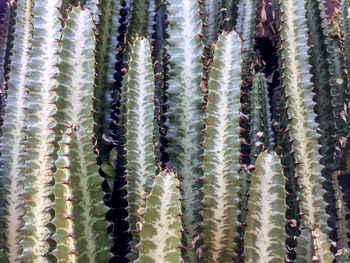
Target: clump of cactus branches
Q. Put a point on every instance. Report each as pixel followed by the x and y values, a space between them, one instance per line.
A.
pixel 60 211
pixel 196 166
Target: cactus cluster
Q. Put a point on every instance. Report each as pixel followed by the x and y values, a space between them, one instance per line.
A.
pixel 154 131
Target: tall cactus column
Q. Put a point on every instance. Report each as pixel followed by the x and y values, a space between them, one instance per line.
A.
pixel 81 226
pixel 222 152
pixel 11 146
pixel 40 130
pixel 185 113
pixel 296 82
pixel 139 117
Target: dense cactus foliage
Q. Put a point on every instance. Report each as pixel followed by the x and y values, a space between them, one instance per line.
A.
pixel 157 131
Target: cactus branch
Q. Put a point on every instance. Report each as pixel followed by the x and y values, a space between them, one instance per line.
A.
pixel 264 235
pixel 11 146
pixel 221 151
pixel 185 113
pixel 161 225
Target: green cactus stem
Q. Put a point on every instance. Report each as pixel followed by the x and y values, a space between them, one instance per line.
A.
pixel 106 13
pixel 40 131
pixel 345 29
pixel 264 235
pixel 11 146
pixel 338 83
pixel 302 126
pixel 139 16
pixel 75 107
pixel 230 14
pixel 79 217
pixel 4 33
pixel 138 21
pixel 161 224
pixel 139 115
pixel 319 245
pixel 342 212
pixel 64 236
pixel 260 117
pixel 184 112
pixel 246 24
pixel 221 151
pixel 343 255
pixel 212 23
pixel 321 75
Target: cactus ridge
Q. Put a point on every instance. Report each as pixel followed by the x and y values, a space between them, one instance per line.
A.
pixel 212 22
pixel 63 205
pixel 106 20
pixel 121 226
pixel 319 59
pixel 345 29
pixel 230 14
pixel 5 31
pixel 260 117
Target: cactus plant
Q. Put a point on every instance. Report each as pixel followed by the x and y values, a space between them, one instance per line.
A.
pixel 221 151
pixel 77 182
pixel 260 117
pixel 139 115
pixel 40 135
pixel 296 81
pixel 161 221
pixel 184 113
pixel 264 234
pixel 184 97
pixel 12 148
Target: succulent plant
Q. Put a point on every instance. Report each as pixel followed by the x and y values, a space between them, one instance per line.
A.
pixel 205 157
pixel 161 228
pixel 221 151
pixel 264 234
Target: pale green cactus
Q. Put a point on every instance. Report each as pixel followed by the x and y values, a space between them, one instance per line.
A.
pixel 264 235
pixel 161 221
pixel 40 107
pixel 222 151
pixel 185 114
pixel 51 200
pixel 11 147
pixel 139 115
pixel 296 79
pixel 79 210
